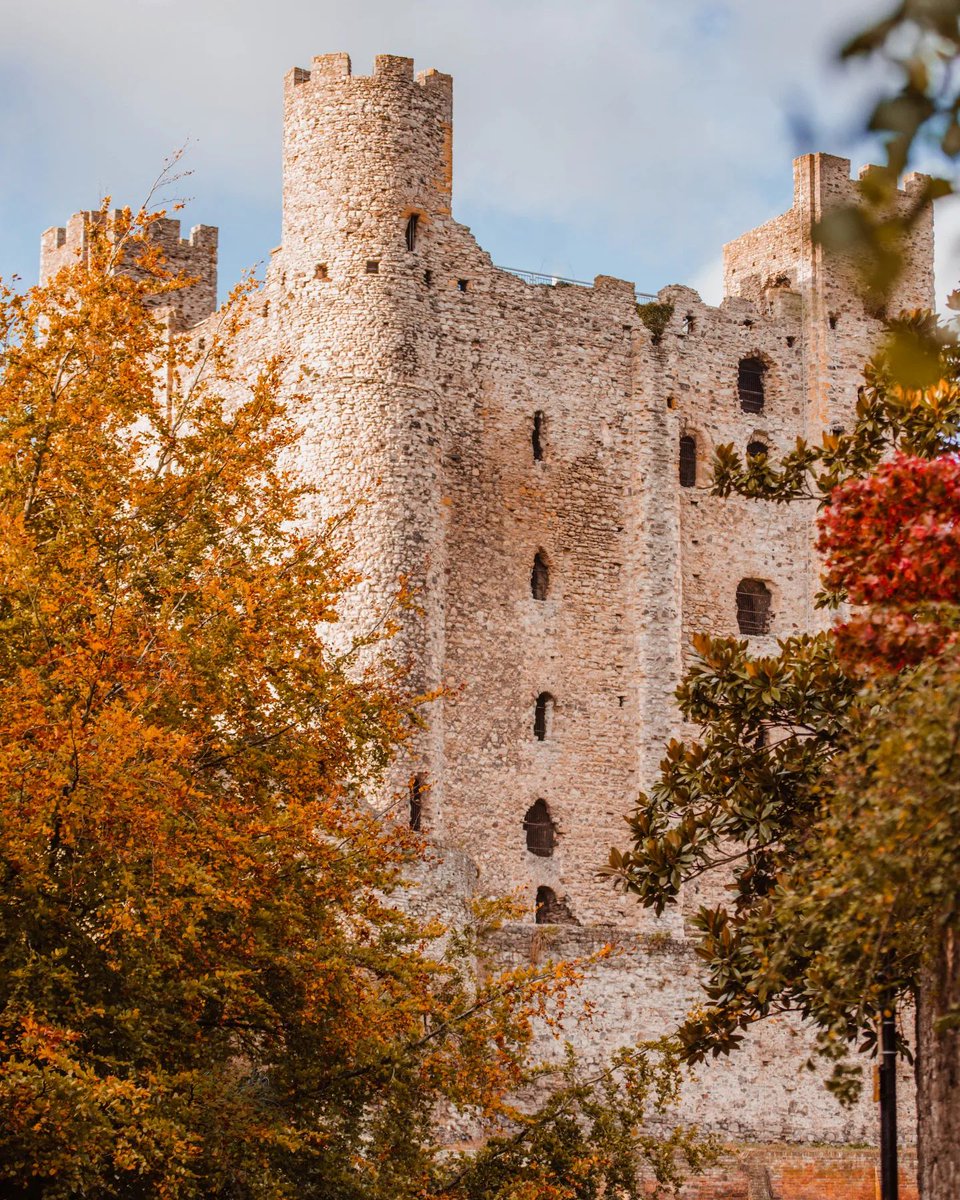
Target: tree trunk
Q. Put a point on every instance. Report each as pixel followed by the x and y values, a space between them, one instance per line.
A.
pixel 938 1075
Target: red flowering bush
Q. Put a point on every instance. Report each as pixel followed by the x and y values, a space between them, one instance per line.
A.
pixel 891 543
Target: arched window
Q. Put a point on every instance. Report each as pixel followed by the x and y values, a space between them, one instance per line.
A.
pixel 688 461
pixel 416 802
pixel 753 607
pixel 539 577
pixel 539 829
pixel 543 716
pixel 537 436
pixel 750 374
pixel 411 231
pixel 757 449
pixel 546 903
pixel 551 911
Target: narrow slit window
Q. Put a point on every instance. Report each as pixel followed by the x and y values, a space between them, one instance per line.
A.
pixel 410 235
pixel 538 436
pixel 750 381
pixel 540 577
pixel 416 803
pixel 688 461
pixel 539 830
pixel 753 607
pixel 543 716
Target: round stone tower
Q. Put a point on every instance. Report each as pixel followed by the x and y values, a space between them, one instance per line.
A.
pixel 366 190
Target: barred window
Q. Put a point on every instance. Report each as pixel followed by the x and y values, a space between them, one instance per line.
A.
pixel 539 829
pixel 540 577
pixel 753 607
pixel 410 236
pixel 688 461
pixel 750 373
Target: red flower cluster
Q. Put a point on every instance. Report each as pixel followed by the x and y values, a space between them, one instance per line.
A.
pixel 891 541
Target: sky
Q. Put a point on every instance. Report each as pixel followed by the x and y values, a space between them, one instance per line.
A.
pixel 621 137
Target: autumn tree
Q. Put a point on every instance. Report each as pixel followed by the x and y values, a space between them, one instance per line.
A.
pixel 209 983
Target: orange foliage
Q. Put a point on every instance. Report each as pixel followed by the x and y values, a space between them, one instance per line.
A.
pixel 205 986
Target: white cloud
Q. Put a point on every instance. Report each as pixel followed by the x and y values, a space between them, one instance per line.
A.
pixel 627 136
pixel 708 281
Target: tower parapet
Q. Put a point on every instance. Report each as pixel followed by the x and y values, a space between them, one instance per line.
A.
pixel 361 149
pixel 194 257
pixel 786 247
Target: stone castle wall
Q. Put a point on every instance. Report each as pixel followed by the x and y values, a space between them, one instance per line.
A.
pixel 425 366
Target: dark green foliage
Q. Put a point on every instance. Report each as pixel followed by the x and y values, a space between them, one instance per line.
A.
pixel 743 800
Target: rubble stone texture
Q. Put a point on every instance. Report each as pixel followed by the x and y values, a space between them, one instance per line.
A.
pixel 428 366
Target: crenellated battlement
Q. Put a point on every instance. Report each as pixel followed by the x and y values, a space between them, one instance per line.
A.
pixel 393 67
pixel 194 256
pixel 831 176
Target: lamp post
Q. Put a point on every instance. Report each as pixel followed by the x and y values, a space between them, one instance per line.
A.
pixel 889 1183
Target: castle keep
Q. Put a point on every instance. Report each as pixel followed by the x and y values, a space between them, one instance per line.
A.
pixel 535 459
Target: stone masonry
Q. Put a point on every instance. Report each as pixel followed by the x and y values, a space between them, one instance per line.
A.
pixel 484 421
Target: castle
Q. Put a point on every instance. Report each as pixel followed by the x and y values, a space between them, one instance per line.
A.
pixel 536 457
